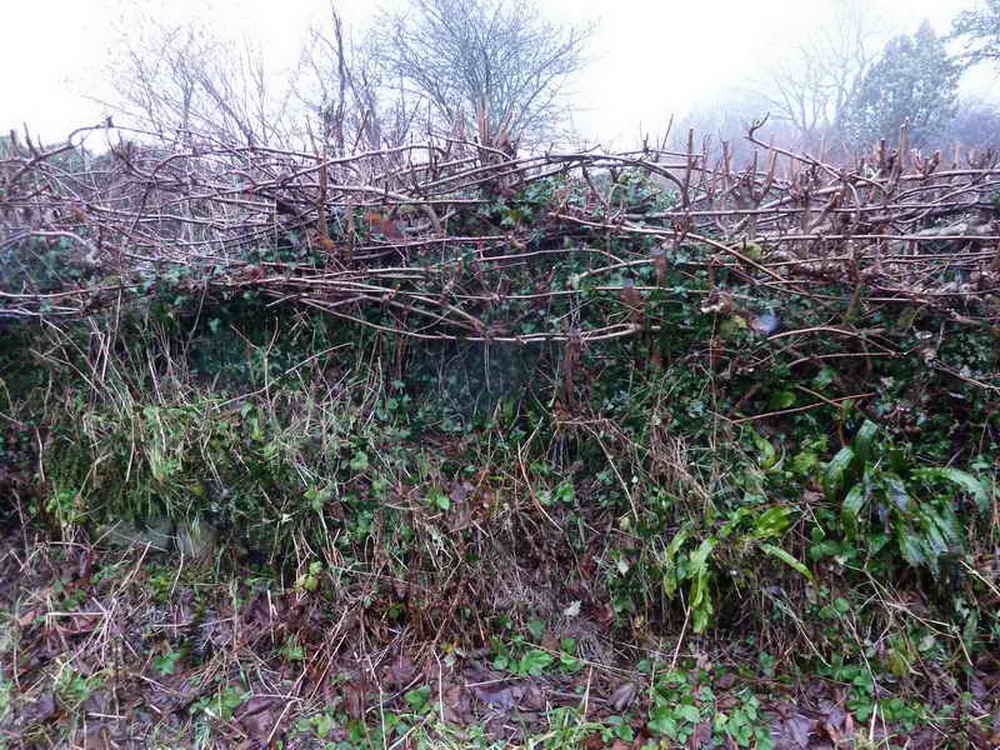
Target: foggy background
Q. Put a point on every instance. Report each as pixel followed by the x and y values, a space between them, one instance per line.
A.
pixel 647 61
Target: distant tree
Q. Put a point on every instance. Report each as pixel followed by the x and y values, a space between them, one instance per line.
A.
pixel 976 123
pixel 183 80
pixel 981 32
pixel 497 65
pixel 726 117
pixel 811 85
pixel 915 82
pixel 356 101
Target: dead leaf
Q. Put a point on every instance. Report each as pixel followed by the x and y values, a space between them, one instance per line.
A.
pixel 606 614
pixel 461 512
pixel 623 696
pixel 726 702
pixel 41 710
pixel 533 697
pixel 399 673
pixel 504 698
pixel 703 662
pixel 726 681
pixel 98 702
pixel 800 728
pixel 460 491
pixel 457 708
pixel 98 738
pixel 354 699
pixel 977 688
pixel 257 717
pixel 701 736
pixel 784 709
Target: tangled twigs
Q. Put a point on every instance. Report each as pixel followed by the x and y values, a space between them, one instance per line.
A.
pixel 468 248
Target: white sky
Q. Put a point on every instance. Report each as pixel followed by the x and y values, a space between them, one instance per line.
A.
pixel 650 58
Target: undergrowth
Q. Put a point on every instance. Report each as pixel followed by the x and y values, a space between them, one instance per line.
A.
pixel 695 503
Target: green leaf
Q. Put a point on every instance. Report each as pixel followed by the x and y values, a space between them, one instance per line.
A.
pixel 669 562
pixel 768 456
pixel 439 500
pixel 702 616
pixel 360 461
pixel 167 663
pixel 701 598
pixel 699 558
pixel 961 479
pixel 853 503
pixel 534 662
pixel 910 545
pixel 947 521
pixel 804 462
pixel 781 400
pixel 689 714
pixel 934 542
pixel 864 441
pixel 736 517
pixel 323 723
pixel 317 497
pixel 729 327
pixel 895 489
pixel 565 492
pixel 419 698
pixel 773 521
pixel 824 377
pixel 662 721
pixel 836 472
pixel 788 559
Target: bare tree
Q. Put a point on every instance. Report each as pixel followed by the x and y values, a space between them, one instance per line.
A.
pixel 496 66
pixel 349 92
pixel 811 86
pixel 180 80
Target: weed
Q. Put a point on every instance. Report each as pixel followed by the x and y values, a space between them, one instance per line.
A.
pixel 73 687
pixel 166 664
pixel 221 704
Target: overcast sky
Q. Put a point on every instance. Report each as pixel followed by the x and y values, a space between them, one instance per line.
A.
pixel 650 58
